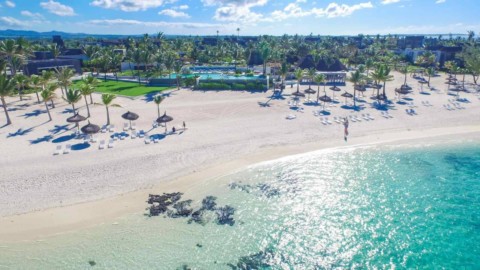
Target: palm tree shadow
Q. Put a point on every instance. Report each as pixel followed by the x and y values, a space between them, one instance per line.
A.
pixel 33 114
pixel 46 138
pixel 20 132
pixel 57 129
pixel 67 110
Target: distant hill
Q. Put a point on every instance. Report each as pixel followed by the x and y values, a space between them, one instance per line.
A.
pixel 9 33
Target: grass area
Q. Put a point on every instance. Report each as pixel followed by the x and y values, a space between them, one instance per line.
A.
pixel 130 89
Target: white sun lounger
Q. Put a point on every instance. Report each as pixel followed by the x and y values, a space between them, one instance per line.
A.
pixel 365 117
pixel 323 121
pixel 67 149
pixel 147 140
pixel 141 134
pixel 369 116
pixel 290 117
pixel 58 150
pixel 336 119
pixel 104 129
pixel 353 119
pixel 357 118
pixel 155 140
pixel 101 145
pixel 111 128
pixel 134 126
pixel 110 143
pixel 328 121
pixel 134 135
pixel 125 126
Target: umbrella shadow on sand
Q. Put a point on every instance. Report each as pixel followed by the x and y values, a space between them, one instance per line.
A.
pixel 80 146
pixel 158 136
pixel 64 138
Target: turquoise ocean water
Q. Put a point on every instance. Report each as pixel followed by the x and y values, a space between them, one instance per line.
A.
pixel 408 206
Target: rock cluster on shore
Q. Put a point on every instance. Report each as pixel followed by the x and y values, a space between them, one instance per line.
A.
pixel 170 205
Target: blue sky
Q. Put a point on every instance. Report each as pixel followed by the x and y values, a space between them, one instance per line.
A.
pixel 253 17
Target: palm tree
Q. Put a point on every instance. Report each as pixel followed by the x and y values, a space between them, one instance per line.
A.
pixel 355 78
pixel 8 50
pixel 405 70
pixel 107 102
pixel 36 84
pixel 72 97
pixel 382 74
pixel 430 73
pixel 158 99
pixel 311 74
pixel 319 79
pixel 369 65
pixel 299 75
pixel 48 94
pixel 6 88
pixel 47 76
pixel 90 80
pixel 177 67
pixel 21 80
pixel 86 90
pixel 64 76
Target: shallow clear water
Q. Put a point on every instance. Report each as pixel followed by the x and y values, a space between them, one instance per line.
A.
pixel 372 207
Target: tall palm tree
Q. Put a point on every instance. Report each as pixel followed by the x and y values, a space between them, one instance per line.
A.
pixel 86 90
pixel 299 75
pixel 430 73
pixel 177 67
pixel 405 70
pixel 382 74
pixel 8 50
pixel 36 84
pixel 355 78
pixel 319 79
pixel 46 78
pixel 94 82
pixel 64 76
pixel 369 65
pixel 48 94
pixel 158 99
pixel 6 89
pixel 311 74
pixel 107 100
pixel 21 80
pixel 72 97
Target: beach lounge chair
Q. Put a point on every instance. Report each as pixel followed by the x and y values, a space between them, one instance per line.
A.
pixel 134 135
pixel 67 149
pixel 104 129
pixel 134 126
pixel 353 119
pixel 388 114
pixel 155 140
pixel 93 139
pixel 290 117
pixel 154 124
pixel 365 117
pixel 357 118
pixel 125 126
pixel 86 139
pixel 323 121
pixel 58 150
pixel 101 145
pixel 328 121
pixel 141 134
pixel 336 119
pixel 369 116
pixel 121 137
pixel 110 143
pixel 111 128
pixel 147 140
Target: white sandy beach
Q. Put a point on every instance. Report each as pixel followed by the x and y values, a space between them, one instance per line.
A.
pixel 42 194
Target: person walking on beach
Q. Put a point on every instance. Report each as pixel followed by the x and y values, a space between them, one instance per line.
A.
pixel 345 124
pixel 184 126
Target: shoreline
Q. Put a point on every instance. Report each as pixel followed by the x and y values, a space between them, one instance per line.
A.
pixel 34 226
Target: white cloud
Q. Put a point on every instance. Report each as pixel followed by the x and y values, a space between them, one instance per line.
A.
pixel 10 4
pixel 333 10
pixel 12 22
pixel 130 5
pixel 173 13
pixel 387 2
pixel 236 10
pixel 183 7
pixel 440 1
pixel 27 13
pixel 57 8
pixel 122 22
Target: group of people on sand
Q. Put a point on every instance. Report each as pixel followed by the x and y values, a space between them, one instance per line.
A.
pixel 184 127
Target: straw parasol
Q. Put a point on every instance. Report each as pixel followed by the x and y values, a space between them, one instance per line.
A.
pixel 325 99
pixel 90 128
pixel 130 116
pixel 77 118
pixel 335 89
pixel 347 95
pixel 310 91
pixel 422 82
pixel 298 94
pixel 401 91
pixel 164 119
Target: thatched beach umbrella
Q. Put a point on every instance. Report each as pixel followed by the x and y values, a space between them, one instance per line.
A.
pixel 310 91
pixel 130 116
pixel 90 128
pixel 77 118
pixel 335 89
pixel 298 94
pixel 164 119
pixel 405 87
pixel 401 91
pixel 347 95
pixel 325 99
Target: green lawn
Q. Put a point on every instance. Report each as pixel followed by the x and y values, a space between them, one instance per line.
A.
pixel 125 88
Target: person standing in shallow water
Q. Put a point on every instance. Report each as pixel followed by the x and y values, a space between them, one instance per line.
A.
pixel 345 124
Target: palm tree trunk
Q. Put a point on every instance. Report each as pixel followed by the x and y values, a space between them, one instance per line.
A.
pixel 108 116
pixel 73 106
pixel 384 83
pixel 354 95
pixel 48 111
pixel 158 110
pixel 318 92
pixel 53 104
pixel 86 103
pixel 6 111
pixel 91 99
pixel 38 97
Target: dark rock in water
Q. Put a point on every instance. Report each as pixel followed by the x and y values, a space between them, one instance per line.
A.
pixel 268 190
pixel 260 260
pixel 241 187
pixel 209 203
pixel 199 245
pixel 183 209
pixel 184 267
pixel 157 209
pixel 166 198
pixel 224 215
pixel 197 217
pixel 92 263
